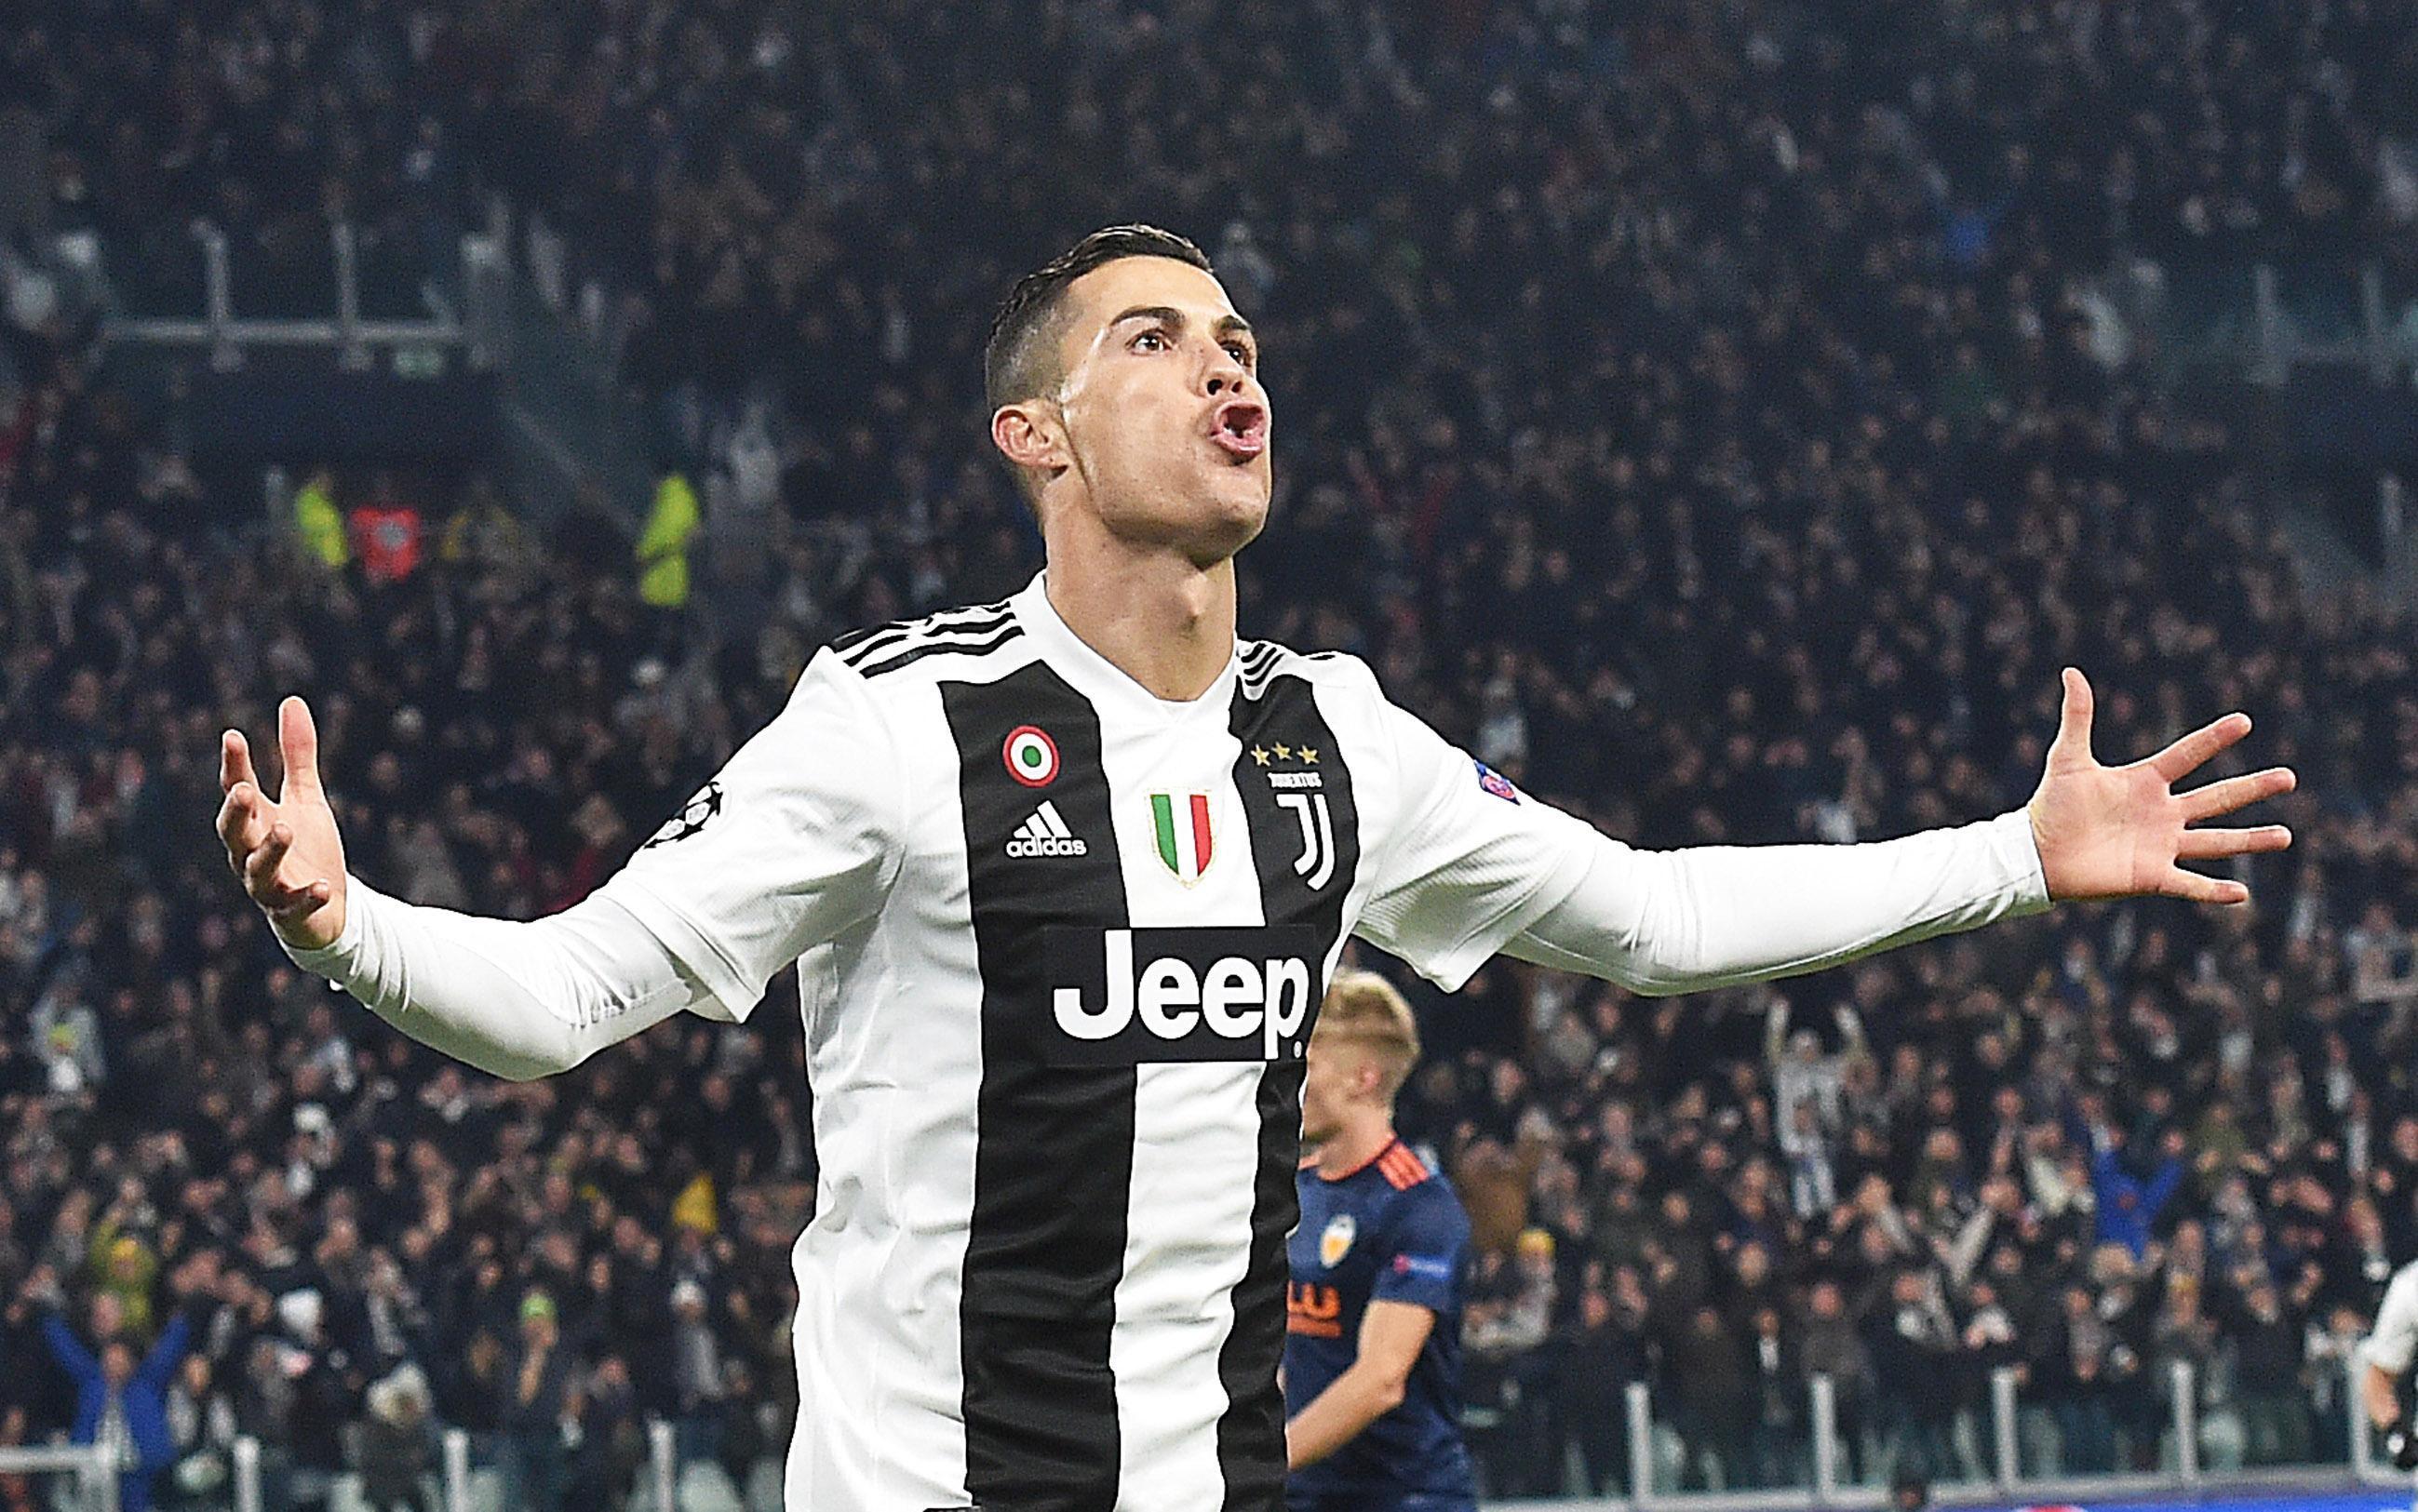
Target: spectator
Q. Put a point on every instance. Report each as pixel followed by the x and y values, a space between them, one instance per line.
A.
pixel 699 1380
pixel 121 1402
pixel 387 534
pixel 66 1040
pixel 2129 1206
pixel 202 1425
pixel 1830 1346
pixel 1607 1350
pixel 318 522
pixel 2268 1351
pixel 613 1439
pixel 1801 1075
pixel 398 1443
pixel 539 1403
pixel 1913 1344
pixel 672 523
pixel 1507 1317
pixel 1716 1405
pixel 1775 1435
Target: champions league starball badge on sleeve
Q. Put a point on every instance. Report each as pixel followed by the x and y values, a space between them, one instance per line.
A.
pixel 694 815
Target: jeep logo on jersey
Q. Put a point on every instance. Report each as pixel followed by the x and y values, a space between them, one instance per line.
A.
pixel 1233 993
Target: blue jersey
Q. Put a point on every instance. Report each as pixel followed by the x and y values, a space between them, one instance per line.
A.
pixel 1391 1231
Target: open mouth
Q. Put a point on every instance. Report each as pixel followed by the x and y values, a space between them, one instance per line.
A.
pixel 1241 427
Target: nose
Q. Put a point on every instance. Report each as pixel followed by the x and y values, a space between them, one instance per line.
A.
pixel 1226 375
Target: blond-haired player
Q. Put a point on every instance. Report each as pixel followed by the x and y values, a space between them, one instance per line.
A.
pixel 1372 1357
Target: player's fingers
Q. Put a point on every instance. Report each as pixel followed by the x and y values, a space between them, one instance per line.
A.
pixel 2195 888
pixel 229 821
pixel 2073 720
pixel 234 761
pixel 301 902
pixel 281 898
pixel 2185 755
pixel 2222 798
pixel 2210 845
pixel 298 739
pixel 243 820
pixel 260 867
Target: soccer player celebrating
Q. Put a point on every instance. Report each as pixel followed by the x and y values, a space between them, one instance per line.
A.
pixel 1372 1335
pixel 1068 872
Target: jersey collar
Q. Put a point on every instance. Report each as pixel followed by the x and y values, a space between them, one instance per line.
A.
pixel 1099 678
pixel 1379 1153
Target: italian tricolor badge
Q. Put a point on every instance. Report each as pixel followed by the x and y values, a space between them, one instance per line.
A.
pixel 1182 822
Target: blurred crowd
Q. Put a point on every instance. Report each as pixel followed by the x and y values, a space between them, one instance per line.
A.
pixel 1716 406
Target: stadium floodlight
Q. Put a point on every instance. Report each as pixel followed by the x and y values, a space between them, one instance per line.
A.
pixel 95 1486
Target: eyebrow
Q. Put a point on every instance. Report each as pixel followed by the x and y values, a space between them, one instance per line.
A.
pixel 1226 325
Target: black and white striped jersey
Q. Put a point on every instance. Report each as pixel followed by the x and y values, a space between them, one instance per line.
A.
pixel 1063 944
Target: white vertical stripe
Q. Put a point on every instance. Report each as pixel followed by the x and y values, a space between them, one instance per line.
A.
pixel 880 1376
pixel 1196 1148
pixel 1195 1154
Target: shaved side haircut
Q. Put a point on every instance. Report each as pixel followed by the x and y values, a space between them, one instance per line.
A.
pixel 1021 360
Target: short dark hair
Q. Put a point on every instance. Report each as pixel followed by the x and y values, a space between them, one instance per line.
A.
pixel 1019 359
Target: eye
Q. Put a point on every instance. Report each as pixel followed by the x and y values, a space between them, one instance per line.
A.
pixel 1243 353
pixel 1156 338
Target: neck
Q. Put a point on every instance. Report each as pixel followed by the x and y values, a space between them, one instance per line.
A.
pixel 1163 620
pixel 1364 1130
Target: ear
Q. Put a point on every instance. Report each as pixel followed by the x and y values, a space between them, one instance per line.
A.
pixel 1031 437
pixel 1368 1078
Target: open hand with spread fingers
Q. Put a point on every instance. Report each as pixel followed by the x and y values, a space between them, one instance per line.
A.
pixel 286 851
pixel 2124 831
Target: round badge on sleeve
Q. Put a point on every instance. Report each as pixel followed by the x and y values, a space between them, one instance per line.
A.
pixel 1031 756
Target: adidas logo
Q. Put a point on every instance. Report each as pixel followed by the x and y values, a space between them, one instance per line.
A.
pixel 1043 834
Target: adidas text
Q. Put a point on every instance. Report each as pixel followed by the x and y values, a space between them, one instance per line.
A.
pixel 1044 832
pixel 1048 846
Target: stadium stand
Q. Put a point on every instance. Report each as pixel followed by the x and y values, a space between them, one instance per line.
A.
pixel 1729 437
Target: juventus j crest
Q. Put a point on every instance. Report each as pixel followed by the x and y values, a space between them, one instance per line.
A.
pixel 1299 788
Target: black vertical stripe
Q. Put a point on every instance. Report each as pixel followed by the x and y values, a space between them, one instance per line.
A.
pixel 1053 1158
pixel 1281 712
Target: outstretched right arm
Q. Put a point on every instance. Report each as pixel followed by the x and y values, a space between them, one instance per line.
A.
pixel 517 999
pixel 795 840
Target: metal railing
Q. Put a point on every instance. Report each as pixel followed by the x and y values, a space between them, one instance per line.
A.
pixel 97 1487
pixel 2267 320
pixel 475 326
pixel 2182 1467
pixel 90 1464
pixel 465 1488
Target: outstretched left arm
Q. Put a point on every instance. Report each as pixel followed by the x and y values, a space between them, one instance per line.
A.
pixel 1685 921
